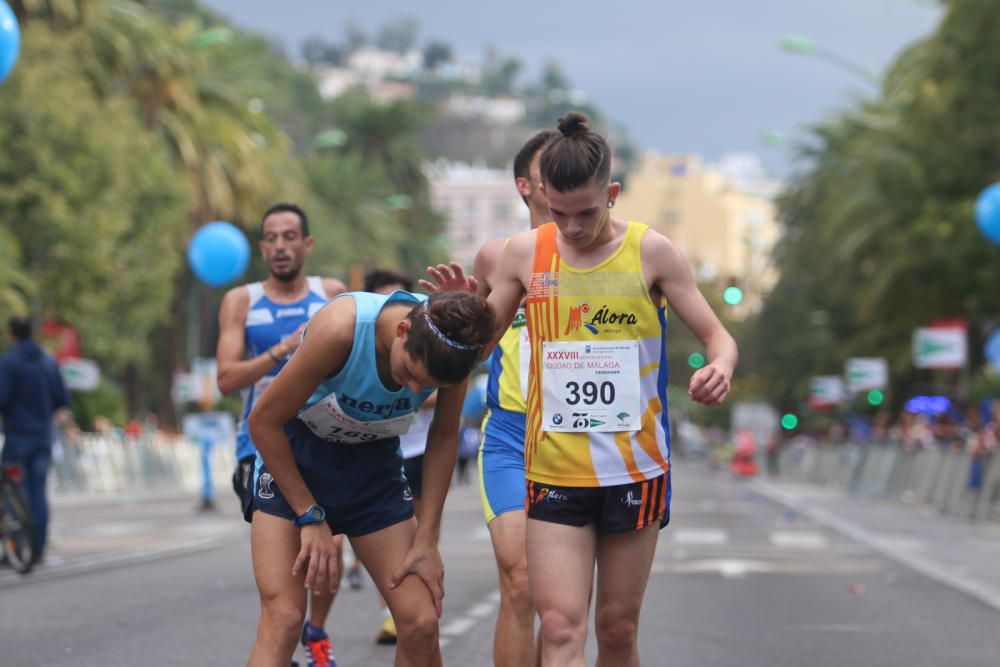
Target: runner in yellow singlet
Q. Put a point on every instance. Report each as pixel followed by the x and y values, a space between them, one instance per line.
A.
pixel 597 448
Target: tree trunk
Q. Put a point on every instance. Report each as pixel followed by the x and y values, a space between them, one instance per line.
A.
pixel 136 398
pixel 170 351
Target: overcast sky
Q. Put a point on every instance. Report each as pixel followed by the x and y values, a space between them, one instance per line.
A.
pixel 701 76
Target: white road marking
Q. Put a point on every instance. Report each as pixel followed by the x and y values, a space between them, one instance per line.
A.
pixel 798 539
pixel 459 626
pixel 469 619
pixel 735 568
pixel 729 568
pixel 701 536
pixel 481 610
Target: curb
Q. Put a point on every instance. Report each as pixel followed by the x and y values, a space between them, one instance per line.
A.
pixel 105 561
pixel 985 593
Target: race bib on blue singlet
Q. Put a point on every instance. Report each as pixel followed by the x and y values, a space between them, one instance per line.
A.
pixel 327 421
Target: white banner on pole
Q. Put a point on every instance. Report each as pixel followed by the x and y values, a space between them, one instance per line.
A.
pixel 80 374
pixel 940 347
pixel 826 390
pixel 866 373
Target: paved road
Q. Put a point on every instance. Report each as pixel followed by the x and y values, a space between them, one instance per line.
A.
pixel 739 580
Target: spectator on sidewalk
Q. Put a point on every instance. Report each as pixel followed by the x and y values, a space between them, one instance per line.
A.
pixel 31 391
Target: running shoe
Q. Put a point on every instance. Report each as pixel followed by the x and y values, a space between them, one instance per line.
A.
pixel 319 650
pixel 387 632
pixel 354 579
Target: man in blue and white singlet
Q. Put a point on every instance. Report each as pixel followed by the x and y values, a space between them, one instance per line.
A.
pixel 329 462
pixel 259 328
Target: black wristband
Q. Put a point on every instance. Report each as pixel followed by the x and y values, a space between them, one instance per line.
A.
pixel 270 353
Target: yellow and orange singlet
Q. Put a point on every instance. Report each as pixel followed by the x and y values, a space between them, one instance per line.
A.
pixel 597 408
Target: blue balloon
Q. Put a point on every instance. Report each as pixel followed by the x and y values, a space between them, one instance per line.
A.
pixel 10 39
pixel 218 253
pixel 988 212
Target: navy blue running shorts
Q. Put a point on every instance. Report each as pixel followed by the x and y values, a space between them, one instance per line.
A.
pixel 362 487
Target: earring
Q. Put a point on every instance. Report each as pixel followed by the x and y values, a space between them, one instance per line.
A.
pixel 611 203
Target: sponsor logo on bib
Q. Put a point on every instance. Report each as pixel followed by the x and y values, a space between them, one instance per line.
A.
pixel 603 320
pixel 403 405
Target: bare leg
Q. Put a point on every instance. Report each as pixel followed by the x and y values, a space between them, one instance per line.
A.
pixel 623 564
pixel 275 544
pixel 411 603
pixel 514 638
pixel 561 572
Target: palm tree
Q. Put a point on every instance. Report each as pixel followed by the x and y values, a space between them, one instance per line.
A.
pixel 16 288
pixel 234 159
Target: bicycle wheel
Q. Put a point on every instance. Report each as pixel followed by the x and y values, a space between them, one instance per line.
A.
pixel 16 528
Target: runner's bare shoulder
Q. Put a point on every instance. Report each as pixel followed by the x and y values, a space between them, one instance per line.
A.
pixel 657 250
pixel 521 245
pixel 334 323
pixel 486 261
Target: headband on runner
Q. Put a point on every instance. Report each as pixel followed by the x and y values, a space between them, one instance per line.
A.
pixel 444 339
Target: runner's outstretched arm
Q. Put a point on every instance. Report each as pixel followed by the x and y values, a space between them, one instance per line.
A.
pixel 507 292
pixel 509 282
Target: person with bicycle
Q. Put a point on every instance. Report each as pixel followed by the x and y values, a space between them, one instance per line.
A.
pixel 31 391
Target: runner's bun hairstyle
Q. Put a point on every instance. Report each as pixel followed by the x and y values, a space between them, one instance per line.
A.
pixel 576 158
pixel 448 333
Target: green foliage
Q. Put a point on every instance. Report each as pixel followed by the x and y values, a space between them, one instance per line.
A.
pixel 398 35
pixel 129 123
pixel 880 236
pixel 91 200
pixel 272 87
pixel 500 79
pixel 362 182
pixel 16 286
pixel 105 401
pixel 436 53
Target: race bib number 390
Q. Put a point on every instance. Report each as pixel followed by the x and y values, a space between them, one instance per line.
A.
pixel 591 386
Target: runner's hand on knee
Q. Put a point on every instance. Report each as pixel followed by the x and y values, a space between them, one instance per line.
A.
pixel 318 555
pixel 426 563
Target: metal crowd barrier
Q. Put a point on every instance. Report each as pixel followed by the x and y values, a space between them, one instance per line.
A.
pixel 114 464
pixel 952 482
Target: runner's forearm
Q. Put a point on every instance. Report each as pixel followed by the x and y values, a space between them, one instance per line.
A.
pixel 274 448
pixel 439 464
pixel 721 348
pixel 238 375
